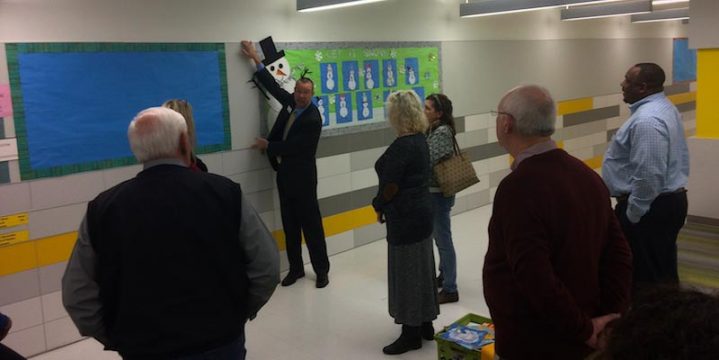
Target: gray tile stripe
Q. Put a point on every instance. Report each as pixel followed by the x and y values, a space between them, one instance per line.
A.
pixel 352 200
pixel 349 143
pixel 677 88
pixel 4 173
pixel 2 128
pixel 687 106
pixel 591 115
pixel 485 151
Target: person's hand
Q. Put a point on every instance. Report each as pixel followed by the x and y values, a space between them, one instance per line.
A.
pixel 380 217
pixel 248 49
pixel 260 144
pixel 597 341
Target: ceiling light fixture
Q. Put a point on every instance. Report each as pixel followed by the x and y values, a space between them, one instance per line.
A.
pixel 497 7
pixel 662 15
pixel 317 5
pixel 607 10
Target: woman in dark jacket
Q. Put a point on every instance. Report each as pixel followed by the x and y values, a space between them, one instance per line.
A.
pixel 404 203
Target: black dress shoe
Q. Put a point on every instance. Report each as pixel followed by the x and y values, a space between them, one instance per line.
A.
pixel 322 281
pixel 291 278
pixel 448 297
pixel 427 331
pixel 409 340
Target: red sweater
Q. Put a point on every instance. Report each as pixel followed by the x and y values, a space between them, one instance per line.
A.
pixel 556 258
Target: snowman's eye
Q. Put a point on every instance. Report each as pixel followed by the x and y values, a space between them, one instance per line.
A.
pixel 280 66
pixel 272 68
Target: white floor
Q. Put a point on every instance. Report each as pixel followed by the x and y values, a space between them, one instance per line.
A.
pixel 348 319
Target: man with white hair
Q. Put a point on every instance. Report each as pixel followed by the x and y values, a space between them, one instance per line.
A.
pixel 558 267
pixel 172 263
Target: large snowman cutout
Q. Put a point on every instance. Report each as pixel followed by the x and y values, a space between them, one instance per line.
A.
pixel 279 67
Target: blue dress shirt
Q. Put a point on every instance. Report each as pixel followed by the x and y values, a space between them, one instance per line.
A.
pixel 648 155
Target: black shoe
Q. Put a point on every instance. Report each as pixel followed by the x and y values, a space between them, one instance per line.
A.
pixel 322 281
pixel 409 340
pixel 448 297
pixel 440 280
pixel 427 331
pixel 291 278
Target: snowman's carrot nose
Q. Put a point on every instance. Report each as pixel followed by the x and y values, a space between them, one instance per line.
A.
pixel 280 72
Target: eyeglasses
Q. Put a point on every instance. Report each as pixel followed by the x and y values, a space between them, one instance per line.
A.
pixel 495 113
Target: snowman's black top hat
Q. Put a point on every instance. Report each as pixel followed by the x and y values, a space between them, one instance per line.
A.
pixel 270 51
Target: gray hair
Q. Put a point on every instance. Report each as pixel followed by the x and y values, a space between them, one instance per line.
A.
pixel 406 112
pixel 532 108
pixel 155 133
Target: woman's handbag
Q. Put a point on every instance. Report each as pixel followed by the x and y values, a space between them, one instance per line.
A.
pixel 455 173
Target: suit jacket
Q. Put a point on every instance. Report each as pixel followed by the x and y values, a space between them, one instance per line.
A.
pixel 297 170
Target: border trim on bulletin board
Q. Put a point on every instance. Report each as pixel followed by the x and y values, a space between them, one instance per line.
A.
pixel 14 50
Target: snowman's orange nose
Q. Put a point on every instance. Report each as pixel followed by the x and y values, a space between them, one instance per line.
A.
pixel 280 73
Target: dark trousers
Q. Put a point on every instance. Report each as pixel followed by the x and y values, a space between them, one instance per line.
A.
pixel 7 353
pixel 301 215
pixel 653 239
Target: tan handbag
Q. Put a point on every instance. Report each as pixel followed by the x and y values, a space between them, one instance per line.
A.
pixel 455 173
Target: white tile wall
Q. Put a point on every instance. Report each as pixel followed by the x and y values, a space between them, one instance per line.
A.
pixel 340 242
pixel 60 332
pixel 477 122
pixel 56 221
pixel 333 165
pixel 24 314
pixel 112 177
pixel 363 179
pixel 27 342
pixel 256 180
pixel 52 308
pixel 333 185
pixel 15 198
pixel 64 190
pixel 585 141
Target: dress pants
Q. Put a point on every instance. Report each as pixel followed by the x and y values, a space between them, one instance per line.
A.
pixel 653 239
pixel 301 215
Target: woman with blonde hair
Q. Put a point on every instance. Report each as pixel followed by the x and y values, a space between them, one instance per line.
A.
pixel 185 109
pixel 404 203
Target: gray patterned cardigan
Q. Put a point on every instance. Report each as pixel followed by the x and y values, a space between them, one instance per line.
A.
pixel 441 146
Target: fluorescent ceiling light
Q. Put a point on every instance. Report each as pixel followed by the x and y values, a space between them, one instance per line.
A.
pixel 663 2
pixel 606 10
pixel 317 5
pixel 497 7
pixel 662 15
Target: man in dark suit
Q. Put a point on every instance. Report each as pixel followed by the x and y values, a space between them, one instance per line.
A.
pixel 171 263
pixel 291 147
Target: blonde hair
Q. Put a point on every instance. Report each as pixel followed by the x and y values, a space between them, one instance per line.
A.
pixel 185 109
pixel 405 111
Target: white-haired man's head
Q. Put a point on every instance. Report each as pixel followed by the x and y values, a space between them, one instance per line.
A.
pixel 525 113
pixel 158 133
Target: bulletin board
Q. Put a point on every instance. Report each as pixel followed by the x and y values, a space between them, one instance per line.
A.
pixel 73 102
pixel 684 65
pixel 352 81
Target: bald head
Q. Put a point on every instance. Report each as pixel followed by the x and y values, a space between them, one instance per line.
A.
pixel 532 108
pixel 158 133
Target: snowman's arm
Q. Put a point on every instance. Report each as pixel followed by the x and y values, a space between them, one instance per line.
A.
pixel 268 82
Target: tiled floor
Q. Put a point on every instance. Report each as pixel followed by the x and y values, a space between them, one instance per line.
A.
pixel 348 319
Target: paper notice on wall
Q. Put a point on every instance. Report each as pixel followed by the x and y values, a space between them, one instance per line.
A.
pixel 8 149
pixel 5 101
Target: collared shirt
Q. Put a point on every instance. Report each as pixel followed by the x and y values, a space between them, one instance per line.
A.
pixel 165 161
pixel 535 149
pixel 648 155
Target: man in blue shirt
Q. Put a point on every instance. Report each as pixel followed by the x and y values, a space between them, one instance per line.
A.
pixel 646 168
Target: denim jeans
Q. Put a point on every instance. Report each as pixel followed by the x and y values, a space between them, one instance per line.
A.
pixel 232 351
pixel 442 234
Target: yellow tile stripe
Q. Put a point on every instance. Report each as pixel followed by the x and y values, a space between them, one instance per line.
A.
pixel 13 220
pixel 595 162
pixel 55 249
pixel 573 106
pixel 13 238
pixel 337 224
pixel 708 88
pixel 683 98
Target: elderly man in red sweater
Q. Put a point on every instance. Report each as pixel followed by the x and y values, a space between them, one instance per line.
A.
pixel 558 267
